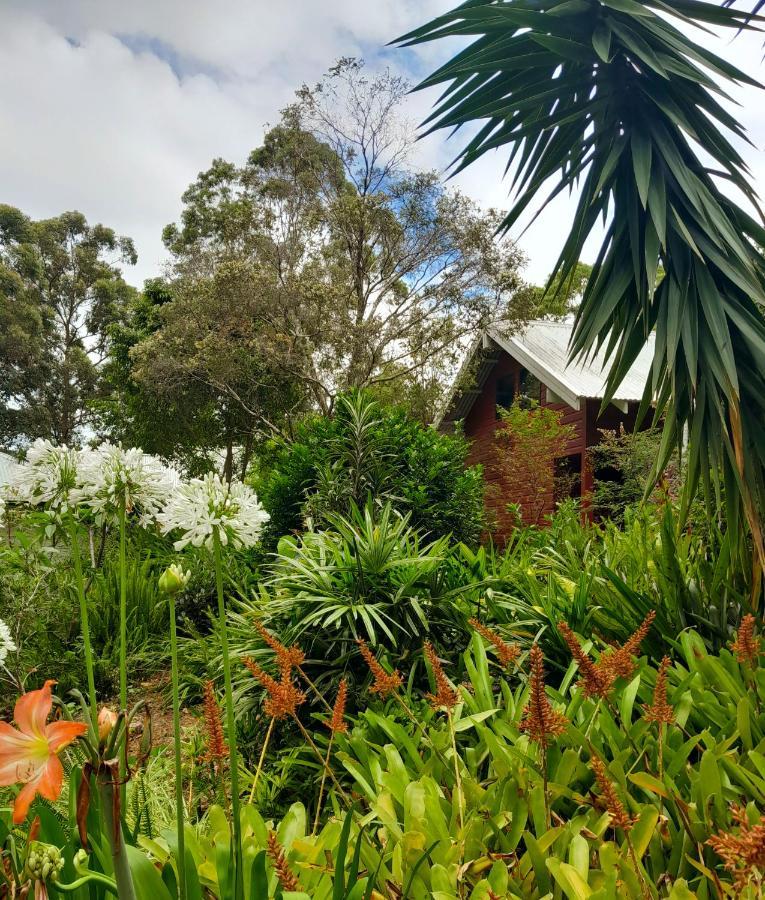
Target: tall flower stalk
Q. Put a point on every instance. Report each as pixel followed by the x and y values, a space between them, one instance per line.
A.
pixel 172 581
pixel 84 625
pixel 211 514
pixel 230 719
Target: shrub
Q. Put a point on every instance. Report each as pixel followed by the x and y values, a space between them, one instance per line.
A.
pixel 371 451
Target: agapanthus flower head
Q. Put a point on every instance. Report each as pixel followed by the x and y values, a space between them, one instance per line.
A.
pixel 202 507
pixel 173 580
pixel 385 683
pixel 7 644
pixel 112 478
pixel 48 477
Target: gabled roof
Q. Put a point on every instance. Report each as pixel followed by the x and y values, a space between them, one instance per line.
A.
pixel 542 348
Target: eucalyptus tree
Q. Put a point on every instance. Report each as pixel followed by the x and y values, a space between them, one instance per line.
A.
pixel 616 101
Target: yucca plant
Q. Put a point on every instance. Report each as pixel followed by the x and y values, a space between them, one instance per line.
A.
pixel 616 101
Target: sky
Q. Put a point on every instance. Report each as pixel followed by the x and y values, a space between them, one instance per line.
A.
pixel 113 107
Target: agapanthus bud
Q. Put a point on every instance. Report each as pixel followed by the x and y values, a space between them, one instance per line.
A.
pixel 44 861
pixel 173 580
pixel 107 719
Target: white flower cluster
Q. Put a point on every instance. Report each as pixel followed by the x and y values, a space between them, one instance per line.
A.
pixel 107 479
pixel 7 644
pixel 111 478
pixel 203 506
pixel 48 477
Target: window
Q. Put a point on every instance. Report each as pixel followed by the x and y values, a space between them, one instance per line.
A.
pixel 505 392
pixel 531 389
pixel 568 478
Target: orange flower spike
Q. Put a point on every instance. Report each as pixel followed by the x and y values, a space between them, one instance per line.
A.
pixel 29 753
pixel 595 682
pixel 660 710
pixel 506 653
pixel 741 853
pixel 286 656
pixel 620 818
pixel 283 697
pixel 445 694
pixel 540 721
pixel 286 879
pixel 747 645
pixel 385 683
pixel 337 724
pixel 216 749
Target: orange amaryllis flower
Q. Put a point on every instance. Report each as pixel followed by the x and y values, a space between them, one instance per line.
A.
pixel 28 754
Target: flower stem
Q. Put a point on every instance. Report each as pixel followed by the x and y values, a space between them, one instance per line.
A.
pixel 261 759
pixel 177 742
pixel 77 562
pixel 110 810
pixel 327 768
pixel 123 644
pixel 457 778
pixel 323 782
pixel 230 720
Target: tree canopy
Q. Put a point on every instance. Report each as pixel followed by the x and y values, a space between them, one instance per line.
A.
pixel 618 102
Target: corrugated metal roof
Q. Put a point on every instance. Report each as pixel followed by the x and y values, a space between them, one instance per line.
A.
pixel 542 347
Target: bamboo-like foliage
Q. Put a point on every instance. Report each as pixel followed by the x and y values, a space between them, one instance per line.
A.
pixel 614 100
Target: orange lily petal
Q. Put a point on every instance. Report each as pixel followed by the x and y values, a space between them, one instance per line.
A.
pixel 23 801
pixel 51 780
pixel 21 755
pixel 32 710
pixel 61 734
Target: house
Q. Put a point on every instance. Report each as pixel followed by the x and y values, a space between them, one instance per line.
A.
pixel 533 362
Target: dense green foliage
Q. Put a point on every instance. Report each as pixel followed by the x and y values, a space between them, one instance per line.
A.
pixel 619 103
pixel 367 450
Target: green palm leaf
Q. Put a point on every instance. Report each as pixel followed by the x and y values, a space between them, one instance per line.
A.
pixel 612 100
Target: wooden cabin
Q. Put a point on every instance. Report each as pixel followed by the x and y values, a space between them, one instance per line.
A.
pixel 533 362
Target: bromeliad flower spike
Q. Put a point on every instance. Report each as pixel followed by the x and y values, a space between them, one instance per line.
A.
pixel 29 752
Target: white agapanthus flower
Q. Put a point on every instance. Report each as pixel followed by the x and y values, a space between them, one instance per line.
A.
pixel 7 644
pixel 204 505
pixel 48 477
pixel 111 477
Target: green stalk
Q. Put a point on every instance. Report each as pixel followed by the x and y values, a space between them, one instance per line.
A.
pixel 122 874
pixel 77 562
pixel 177 741
pixel 123 642
pixel 230 720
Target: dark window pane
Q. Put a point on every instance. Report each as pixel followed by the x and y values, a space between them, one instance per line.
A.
pixel 531 388
pixel 505 391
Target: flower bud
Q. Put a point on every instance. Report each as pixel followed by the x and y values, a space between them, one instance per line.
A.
pixel 173 579
pixel 44 861
pixel 107 719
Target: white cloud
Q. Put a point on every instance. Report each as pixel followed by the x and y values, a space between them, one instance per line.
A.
pixel 113 108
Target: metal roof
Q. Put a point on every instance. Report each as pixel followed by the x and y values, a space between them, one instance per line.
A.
pixel 7 465
pixel 542 348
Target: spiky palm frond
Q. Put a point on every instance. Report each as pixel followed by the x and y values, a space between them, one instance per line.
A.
pixel 615 101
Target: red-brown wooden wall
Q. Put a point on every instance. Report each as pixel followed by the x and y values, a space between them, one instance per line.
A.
pixel 481 425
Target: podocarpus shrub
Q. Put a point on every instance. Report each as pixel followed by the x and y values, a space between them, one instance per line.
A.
pixel 367 450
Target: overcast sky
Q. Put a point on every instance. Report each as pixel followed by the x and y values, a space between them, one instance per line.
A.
pixel 112 107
